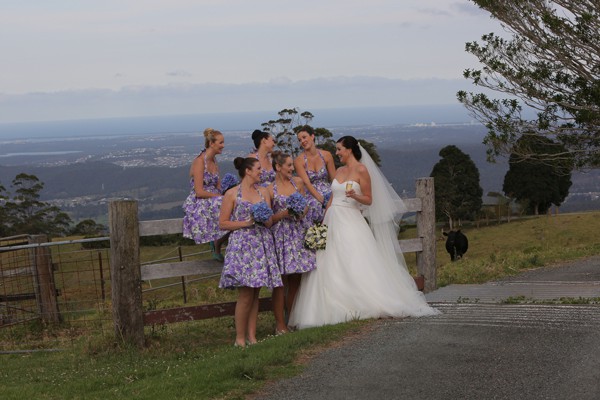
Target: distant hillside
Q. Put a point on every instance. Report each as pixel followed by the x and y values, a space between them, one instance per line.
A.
pixel 105 168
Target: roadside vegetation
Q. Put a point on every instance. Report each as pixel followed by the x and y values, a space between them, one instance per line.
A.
pixel 197 359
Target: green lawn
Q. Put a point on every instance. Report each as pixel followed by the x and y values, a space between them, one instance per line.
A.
pixel 197 359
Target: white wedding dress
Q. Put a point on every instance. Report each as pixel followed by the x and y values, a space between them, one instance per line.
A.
pixel 356 277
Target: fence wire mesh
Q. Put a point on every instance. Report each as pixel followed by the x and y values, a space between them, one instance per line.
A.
pixel 80 275
pixel 78 302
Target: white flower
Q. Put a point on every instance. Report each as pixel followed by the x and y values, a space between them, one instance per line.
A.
pixel 316 237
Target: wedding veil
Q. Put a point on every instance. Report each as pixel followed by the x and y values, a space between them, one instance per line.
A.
pixel 384 213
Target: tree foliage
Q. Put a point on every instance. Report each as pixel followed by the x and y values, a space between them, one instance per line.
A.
pixel 457 190
pixel 25 213
pixel 89 228
pixel 284 129
pixel 291 121
pixel 538 183
pixel 551 64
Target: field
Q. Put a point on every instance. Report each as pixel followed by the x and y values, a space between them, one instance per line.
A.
pixel 197 359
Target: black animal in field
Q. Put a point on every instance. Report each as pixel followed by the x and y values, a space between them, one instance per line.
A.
pixel 456 244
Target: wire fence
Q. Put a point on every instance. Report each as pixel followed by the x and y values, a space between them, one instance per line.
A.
pixel 81 284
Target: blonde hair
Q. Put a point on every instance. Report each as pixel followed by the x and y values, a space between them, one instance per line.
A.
pixel 210 136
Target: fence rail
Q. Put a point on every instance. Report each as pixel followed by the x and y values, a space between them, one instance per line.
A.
pixel 127 273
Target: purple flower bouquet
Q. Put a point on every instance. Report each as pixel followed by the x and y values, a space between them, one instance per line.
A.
pixel 261 212
pixel 296 203
pixel 228 181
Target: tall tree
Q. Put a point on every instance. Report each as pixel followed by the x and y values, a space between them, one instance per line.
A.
pixel 291 121
pixel 457 190
pixel 551 64
pixel 283 128
pixel 26 213
pixel 536 182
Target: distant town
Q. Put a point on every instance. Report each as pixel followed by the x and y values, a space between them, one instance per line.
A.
pixel 81 174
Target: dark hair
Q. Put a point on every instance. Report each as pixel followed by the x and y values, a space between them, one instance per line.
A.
pixel 351 143
pixel 242 164
pixel 258 136
pixel 278 158
pixel 305 128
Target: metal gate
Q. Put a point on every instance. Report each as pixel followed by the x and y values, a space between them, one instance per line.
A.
pixel 27 290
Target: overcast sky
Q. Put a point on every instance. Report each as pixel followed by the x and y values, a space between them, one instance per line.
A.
pixel 66 59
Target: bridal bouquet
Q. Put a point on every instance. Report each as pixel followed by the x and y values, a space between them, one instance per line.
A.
pixel 316 237
pixel 296 203
pixel 228 181
pixel 261 212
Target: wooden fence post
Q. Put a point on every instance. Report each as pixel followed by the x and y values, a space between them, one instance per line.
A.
pixel 45 288
pixel 426 264
pixel 126 283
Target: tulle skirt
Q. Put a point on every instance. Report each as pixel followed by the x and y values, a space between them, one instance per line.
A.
pixel 352 279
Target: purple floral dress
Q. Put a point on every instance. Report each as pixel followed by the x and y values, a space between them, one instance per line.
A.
pixel 201 220
pixel 250 259
pixel 266 177
pixel 320 180
pixel 288 234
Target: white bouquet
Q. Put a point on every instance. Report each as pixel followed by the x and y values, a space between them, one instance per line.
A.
pixel 316 237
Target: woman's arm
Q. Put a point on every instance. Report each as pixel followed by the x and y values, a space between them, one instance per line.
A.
pixel 301 172
pixel 330 164
pixel 364 179
pixel 227 209
pixel 302 190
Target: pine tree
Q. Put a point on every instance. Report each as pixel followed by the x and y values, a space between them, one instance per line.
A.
pixel 549 65
pixel 457 190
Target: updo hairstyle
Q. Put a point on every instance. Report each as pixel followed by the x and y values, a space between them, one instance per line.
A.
pixel 258 136
pixel 278 158
pixel 351 143
pixel 210 136
pixel 242 164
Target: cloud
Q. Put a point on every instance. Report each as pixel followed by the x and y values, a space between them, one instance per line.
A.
pixel 469 9
pixel 184 98
pixel 179 74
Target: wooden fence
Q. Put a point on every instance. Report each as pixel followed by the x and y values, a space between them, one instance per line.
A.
pixel 127 274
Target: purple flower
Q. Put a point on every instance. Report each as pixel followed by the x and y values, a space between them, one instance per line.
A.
pixel 261 212
pixel 296 203
pixel 228 181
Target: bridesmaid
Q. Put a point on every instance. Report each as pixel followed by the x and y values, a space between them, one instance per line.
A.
pixel 288 233
pixel 202 206
pixel 250 261
pixel 264 144
pixel 316 169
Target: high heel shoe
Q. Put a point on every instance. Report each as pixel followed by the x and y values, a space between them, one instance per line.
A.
pixel 217 256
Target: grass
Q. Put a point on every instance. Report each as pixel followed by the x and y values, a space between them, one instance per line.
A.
pixel 507 249
pixel 197 359
pixel 183 361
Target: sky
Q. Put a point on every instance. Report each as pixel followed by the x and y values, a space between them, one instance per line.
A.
pixel 65 59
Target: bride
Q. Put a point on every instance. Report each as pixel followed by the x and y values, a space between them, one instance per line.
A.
pixel 361 273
